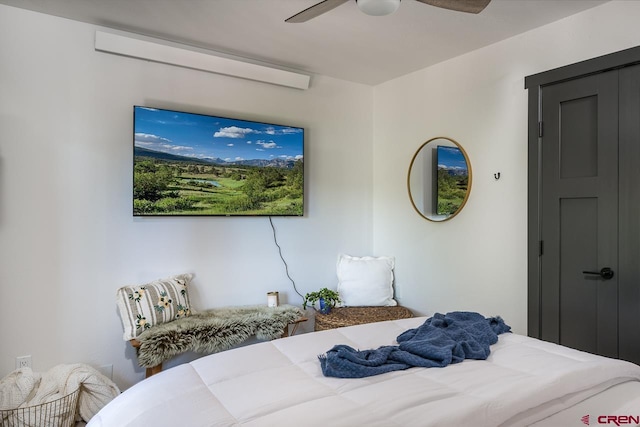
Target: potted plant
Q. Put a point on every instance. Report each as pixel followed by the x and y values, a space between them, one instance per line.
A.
pixel 326 299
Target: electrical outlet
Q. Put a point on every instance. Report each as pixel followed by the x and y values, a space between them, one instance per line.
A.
pixel 23 362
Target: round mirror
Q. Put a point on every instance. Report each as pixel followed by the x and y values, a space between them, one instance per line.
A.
pixel 439 179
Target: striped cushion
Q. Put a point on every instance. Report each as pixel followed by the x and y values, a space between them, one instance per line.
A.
pixel 157 302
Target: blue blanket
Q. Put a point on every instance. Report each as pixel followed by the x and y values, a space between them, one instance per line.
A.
pixel 441 340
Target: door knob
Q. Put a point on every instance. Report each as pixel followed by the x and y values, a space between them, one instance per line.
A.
pixel 606 273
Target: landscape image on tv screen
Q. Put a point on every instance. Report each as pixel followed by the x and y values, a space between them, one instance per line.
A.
pixel 194 164
pixel 452 180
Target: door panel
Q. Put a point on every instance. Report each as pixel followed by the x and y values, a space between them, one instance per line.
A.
pixel 579 213
pixel 629 193
pixel 578 297
pixel 579 144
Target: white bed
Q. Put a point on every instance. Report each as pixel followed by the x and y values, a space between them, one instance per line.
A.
pixel 279 383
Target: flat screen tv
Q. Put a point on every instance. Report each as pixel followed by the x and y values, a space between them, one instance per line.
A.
pixel 452 179
pixel 187 164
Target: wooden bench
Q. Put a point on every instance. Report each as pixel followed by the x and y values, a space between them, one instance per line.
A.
pixel 197 335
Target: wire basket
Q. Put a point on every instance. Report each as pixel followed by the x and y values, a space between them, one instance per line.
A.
pixel 57 413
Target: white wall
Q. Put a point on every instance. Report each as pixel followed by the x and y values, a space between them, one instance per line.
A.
pixel 68 240
pixel 67 236
pixel 476 261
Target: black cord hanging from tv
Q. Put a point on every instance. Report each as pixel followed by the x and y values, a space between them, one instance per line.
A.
pixel 286 266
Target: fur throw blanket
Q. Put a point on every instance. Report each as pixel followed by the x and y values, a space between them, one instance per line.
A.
pixel 212 331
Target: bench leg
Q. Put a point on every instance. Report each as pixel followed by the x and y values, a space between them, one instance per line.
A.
pixel 153 370
pixel 149 371
pixel 295 324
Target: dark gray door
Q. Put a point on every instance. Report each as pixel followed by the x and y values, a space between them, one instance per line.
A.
pixel 629 218
pixel 588 218
pixel 579 213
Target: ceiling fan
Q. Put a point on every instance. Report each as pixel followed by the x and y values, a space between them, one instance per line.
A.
pixel 386 7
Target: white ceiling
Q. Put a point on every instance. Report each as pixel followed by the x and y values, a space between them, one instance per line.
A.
pixel 343 43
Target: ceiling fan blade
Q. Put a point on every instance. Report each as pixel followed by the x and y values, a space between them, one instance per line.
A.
pixel 315 10
pixel 469 6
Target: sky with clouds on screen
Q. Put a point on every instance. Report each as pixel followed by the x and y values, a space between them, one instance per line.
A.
pixel 202 136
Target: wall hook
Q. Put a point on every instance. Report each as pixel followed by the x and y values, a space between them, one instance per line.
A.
pixel 496 176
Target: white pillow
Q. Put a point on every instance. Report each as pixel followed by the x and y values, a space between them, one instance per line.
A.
pixel 366 281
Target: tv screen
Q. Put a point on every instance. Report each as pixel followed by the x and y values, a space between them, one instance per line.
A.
pixel 198 165
pixel 452 180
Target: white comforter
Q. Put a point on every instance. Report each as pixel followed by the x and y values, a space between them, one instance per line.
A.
pixel 279 383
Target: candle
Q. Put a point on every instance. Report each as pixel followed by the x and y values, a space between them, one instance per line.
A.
pixel 272 299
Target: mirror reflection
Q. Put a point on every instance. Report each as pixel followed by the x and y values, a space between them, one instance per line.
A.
pixel 439 179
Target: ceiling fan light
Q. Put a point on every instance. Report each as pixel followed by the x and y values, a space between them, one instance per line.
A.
pixel 378 7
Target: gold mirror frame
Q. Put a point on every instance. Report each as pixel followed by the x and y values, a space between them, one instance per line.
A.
pixel 421 212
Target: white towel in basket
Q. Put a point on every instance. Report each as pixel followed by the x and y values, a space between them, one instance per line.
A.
pixel 23 388
pixel 96 390
pixel 18 387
